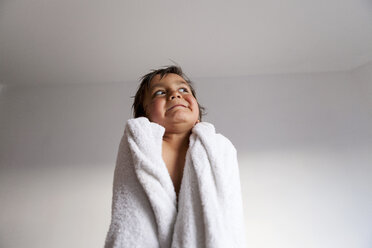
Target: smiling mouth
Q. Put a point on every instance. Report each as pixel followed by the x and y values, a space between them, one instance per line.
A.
pixel 178 105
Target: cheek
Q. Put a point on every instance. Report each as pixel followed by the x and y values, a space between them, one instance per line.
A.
pixel 193 103
pixel 155 108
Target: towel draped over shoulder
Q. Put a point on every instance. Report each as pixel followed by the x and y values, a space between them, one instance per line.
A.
pixel 145 211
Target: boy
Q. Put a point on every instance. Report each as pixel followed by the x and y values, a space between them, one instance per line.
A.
pixel 167 98
pixel 176 181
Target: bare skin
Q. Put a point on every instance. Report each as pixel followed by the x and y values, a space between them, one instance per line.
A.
pixel 174 151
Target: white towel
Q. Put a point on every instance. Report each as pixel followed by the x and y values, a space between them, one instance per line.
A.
pixel 144 204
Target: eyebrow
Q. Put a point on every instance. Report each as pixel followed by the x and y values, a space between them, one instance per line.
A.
pixel 179 82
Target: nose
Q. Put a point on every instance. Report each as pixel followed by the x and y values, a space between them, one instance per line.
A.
pixel 174 95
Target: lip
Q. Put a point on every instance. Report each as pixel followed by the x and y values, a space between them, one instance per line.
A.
pixel 177 105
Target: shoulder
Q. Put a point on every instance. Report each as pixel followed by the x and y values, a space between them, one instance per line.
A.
pixel 226 142
pixel 142 126
pixel 207 132
pixel 143 123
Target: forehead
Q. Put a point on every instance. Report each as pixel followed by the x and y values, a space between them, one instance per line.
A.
pixel 168 79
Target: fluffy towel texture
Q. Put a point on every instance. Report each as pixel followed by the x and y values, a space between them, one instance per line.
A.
pixel 144 204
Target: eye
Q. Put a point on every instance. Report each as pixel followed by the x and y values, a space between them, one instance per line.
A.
pixel 159 92
pixel 183 90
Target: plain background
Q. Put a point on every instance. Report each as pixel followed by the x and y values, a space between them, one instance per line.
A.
pixel 304 143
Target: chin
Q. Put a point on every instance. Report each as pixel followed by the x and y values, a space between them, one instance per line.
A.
pixel 183 118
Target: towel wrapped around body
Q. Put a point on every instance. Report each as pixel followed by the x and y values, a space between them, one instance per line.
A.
pixel 145 211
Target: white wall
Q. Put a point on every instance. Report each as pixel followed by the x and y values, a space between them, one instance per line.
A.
pixel 363 75
pixel 304 144
pixel 303 140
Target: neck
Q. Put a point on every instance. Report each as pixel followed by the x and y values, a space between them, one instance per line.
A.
pixel 177 141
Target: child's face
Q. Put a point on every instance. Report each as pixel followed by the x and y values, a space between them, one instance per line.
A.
pixel 169 101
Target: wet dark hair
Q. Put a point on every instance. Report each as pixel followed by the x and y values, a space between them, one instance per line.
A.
pixel 139 109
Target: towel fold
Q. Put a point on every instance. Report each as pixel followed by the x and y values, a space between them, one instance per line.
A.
pixel 145 212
